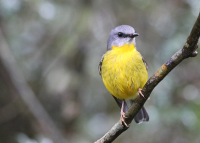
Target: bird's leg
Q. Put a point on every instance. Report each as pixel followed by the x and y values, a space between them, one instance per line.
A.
pixel 123 115
pixel 140 93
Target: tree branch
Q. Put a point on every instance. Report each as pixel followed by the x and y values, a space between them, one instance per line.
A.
pixel 188 50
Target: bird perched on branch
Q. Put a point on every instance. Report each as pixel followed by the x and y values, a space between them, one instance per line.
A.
pixel 124 70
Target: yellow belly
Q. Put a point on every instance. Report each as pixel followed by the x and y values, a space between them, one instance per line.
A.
pixel 123 71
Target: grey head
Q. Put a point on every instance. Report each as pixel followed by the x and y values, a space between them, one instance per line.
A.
pixel 123 34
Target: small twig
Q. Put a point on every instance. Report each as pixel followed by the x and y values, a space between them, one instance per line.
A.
pixel 188 50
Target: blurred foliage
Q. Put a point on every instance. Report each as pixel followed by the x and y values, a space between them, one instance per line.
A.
pixel 58 46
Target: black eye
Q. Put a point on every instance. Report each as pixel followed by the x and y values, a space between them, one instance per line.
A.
pixel 120 34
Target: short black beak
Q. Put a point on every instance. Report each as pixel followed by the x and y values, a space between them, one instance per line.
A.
pixel 134 35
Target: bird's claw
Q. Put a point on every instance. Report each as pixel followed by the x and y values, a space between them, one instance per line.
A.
pixel 122 119
pixel 140 93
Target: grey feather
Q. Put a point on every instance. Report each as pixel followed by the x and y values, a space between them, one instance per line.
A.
pixel 141 116
pixel 115 40
pixel 100 64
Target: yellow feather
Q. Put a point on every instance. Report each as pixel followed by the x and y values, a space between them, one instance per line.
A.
pixel 123 71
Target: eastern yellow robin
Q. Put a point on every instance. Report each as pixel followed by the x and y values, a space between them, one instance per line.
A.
pixel 124 70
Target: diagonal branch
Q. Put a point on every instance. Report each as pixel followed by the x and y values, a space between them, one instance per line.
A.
pixel 188 50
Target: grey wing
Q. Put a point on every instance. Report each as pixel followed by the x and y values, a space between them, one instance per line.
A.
pixel 100 64
pixel 145 63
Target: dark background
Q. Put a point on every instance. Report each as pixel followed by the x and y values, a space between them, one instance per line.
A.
pixel 50 88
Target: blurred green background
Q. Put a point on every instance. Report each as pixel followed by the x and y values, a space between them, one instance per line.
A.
pixel 50 88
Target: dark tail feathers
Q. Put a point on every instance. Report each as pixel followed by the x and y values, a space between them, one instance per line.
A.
pixel 141 116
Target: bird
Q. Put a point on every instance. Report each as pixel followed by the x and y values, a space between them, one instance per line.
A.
pixel 124 70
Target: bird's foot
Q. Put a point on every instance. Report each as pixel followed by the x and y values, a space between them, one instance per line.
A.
pixel 122 119
pixel 140 93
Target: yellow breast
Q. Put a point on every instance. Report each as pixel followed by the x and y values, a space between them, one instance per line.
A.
pixel 123 71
